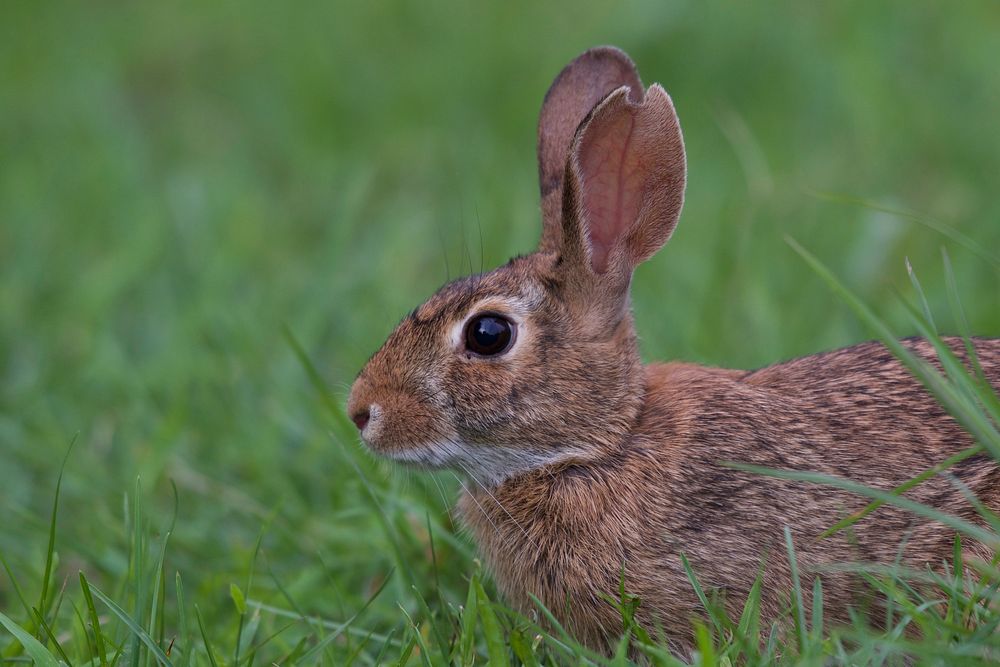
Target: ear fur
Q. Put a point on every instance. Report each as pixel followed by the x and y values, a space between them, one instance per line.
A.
pixel 574 93
pixel 625 182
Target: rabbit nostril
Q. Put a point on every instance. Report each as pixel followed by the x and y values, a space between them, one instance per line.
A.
pixel 361 418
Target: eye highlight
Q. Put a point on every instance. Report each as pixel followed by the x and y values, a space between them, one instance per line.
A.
pixel 489 334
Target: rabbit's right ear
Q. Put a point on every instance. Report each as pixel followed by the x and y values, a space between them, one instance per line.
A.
pixel 623 193
pixel 575 92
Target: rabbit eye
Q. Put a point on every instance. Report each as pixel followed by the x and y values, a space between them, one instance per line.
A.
pixel 489 335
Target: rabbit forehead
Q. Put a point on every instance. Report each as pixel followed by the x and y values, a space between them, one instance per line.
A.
pixel 514 288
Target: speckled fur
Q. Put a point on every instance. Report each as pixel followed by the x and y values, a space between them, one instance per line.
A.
pixel 585 466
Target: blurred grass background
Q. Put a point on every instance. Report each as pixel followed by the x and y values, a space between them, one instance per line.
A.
pixel 179 182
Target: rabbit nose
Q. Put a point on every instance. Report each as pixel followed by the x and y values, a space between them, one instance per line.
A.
pixel 361 417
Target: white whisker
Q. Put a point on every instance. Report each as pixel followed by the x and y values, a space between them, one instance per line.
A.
pixel 500 505
pixel 483 511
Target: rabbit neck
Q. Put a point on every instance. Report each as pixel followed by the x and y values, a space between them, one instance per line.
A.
pixel 559 533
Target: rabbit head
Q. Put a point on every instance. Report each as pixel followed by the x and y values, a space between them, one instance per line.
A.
pixel 536 362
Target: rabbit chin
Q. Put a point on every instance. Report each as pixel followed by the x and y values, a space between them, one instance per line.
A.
pixel 486 465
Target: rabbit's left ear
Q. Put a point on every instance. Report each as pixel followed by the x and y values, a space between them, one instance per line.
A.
pixel 575 92
pixel 624 186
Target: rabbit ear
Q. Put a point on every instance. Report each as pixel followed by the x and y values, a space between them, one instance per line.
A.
pixel 574 93
pixel 625 185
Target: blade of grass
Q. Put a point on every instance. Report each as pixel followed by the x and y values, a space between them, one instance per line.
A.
pixel 469 616
pixel 256 647
pixel 817 611
pixel 955 301
pixel 346 427
pixel 439 639
pixel 966 389
pixel 348 432
pixel 249 632
pixel 60 597
pixel 155 605
pixel 565 644
pixel 204 637
pixel 51 636
pixel 693 580
pixel 749 624
pixel 522 649
pixel 945 230
pixel 434 566
pixel 798 604
pixel 568 643
pixel 182 620
pixel 421 644
pixel 133 627
pixel 496 647
pixel 138 565
pixel 706 647
pixel 987 537
pixel 902 488
pixel 242 608
pixel 385 646
pixel 295 657
pixel 95 620
pixel 353 655
pixel 32 646
pixel 968 416
pixel 920 292
pixel 978 396
pixel 316 650
pixel 89 646
pixel 390 532
pixel 404 655
pixel 17 588
pixel 329 625
pixel 318 627
pixel 50 549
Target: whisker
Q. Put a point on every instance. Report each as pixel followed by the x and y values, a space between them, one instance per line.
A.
pixel 482 253
pixel 482 510
pixel 444 501
pixel 500 505
pixel 444 251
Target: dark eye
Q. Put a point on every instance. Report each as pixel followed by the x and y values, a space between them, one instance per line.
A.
pixel 488 335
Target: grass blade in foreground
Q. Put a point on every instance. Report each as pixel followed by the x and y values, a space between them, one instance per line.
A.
pixel 317 650
pixel 797 601
pixel 495 644
pixel 967 414
pixel 958 313
pixel 941 228
pixel 50 551
pixel 32 646
pixel 989 538
pixel 134 627
pixel 95 621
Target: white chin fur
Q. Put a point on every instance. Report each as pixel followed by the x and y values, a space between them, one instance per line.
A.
pixel 488 465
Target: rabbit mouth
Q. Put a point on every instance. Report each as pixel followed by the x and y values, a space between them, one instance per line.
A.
pixel 487 465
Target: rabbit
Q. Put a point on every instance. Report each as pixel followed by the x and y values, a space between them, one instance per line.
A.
pixel 584 469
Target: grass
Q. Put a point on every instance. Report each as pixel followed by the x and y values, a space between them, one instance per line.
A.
pixel 182 185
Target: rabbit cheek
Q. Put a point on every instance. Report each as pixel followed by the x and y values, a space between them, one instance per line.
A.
pixel 482 402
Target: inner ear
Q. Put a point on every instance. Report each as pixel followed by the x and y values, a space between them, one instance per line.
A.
pixel 612 182
pixel 630 172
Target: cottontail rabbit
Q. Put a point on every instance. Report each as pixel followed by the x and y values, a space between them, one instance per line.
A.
pixel 584 466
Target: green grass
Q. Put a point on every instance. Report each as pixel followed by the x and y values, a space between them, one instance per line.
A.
pixel 184 189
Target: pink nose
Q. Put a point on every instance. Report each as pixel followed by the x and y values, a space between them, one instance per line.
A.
pixel 361 418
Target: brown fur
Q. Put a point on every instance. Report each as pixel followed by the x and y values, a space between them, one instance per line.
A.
pixel 585 467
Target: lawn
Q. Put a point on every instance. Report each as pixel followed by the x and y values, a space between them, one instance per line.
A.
pixel 212 214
